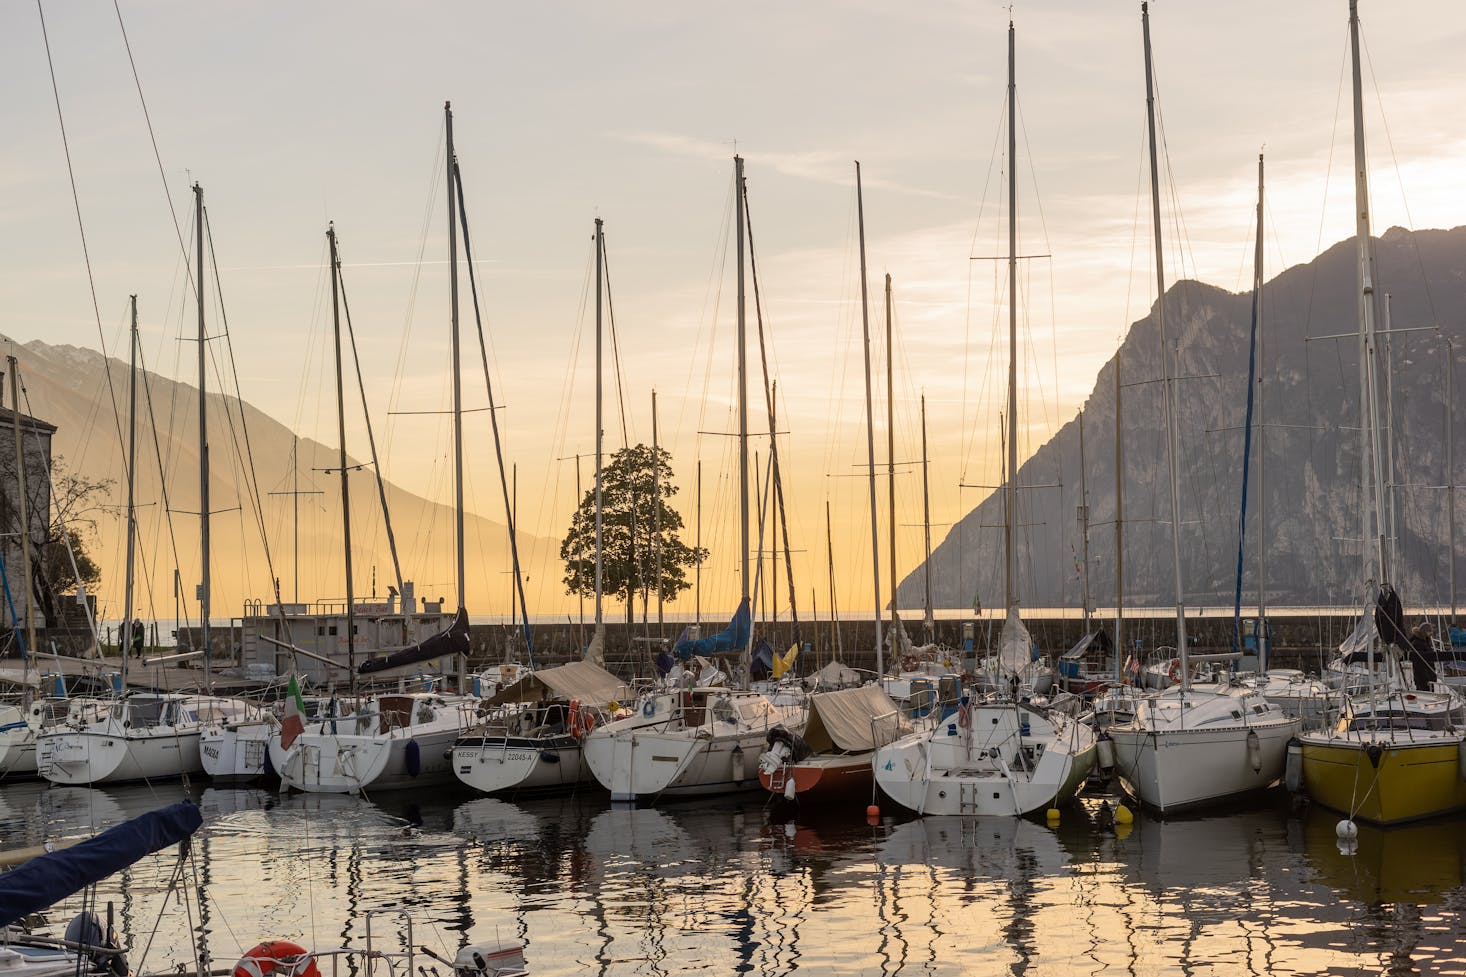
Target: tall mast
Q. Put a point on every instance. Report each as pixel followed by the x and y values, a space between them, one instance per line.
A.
pixel 1010 493
pixel 1173 450
pixel 198 215
pixel 1451 482
pixel 742 406
pixel 131 484
pixel 600 428
pixel 870 435
pixel 1119 525
pixel 457 379
pixel 1083 527
pixel 834 605
pixel 25 525
pixel 657 513
pixel 697 574
pixel 341 458
pixel 891 465
pixel 1371 495
pixel 929 618
pixel 1257 282
pixel 1254 391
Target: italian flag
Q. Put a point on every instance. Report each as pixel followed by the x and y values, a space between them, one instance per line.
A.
pixel 294 722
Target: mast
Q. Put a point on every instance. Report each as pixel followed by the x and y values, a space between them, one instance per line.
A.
pixel 834 606
pixel 929 618
pixel 1119 525
pixel 657 512
pixel 697 574
pixel 600 581
pixel 870 436
pixel 1371 495
pixel 1173 450
pixel 457 379
pixel 1254 391
pixel 891 468
pixel 198 202
pixel 743 411
pixel 131 486
pixel 1450 483
pixel 1010 493
pixel 25 525
pixel 341 458
pixel 1263 634
pixel 1083 527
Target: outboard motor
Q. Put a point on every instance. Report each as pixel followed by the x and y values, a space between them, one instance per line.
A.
pixel 488 959
pixel 86 930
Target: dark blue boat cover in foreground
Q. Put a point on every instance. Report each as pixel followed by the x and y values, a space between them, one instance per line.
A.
pixel 46 880
pixel 732 638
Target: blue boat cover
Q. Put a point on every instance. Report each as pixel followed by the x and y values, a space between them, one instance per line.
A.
pixel 45 881
pixel 732 638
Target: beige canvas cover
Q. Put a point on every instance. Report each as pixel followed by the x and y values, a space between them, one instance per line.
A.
pixel 840 721
pixel 586 681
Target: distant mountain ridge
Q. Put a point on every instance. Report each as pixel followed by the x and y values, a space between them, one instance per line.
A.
pixel 66 386
pixel 1310 395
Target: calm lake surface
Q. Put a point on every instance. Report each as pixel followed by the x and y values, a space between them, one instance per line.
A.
pixel 723 886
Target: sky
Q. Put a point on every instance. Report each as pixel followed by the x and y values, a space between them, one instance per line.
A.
pixel 292 115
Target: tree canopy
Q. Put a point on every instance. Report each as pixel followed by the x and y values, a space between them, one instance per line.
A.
pixel 637 524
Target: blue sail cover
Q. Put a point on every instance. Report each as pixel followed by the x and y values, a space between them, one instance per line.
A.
pixel 732 638
pixel 45 881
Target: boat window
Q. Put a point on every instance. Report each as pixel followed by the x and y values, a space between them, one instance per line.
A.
pixel 395 712
pixel 723 711
pixel 145 712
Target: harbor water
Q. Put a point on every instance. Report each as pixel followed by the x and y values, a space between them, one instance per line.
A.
pixel 732 885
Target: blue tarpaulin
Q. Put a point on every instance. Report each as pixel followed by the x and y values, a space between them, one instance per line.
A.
pixel 45 881
pixel 732 638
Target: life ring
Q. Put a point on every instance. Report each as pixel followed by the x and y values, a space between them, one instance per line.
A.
pixel 1174 672
pixel 577 725
pixel 278 957
pixel 649 708
pixel 587 720
pixel 910 663
pixel 964 716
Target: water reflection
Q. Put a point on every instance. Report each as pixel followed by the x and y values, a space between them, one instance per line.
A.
pixel 718 886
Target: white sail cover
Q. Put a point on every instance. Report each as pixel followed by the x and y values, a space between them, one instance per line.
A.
pixel 1015 645
pixel 595 652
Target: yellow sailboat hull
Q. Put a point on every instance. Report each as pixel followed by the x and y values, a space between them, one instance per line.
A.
pixel 1385 782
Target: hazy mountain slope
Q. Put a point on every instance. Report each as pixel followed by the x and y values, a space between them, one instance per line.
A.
pixel 1311 395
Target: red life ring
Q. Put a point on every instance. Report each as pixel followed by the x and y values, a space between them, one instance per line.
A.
pixel 577 726
pixel 1174 672
pixel 280 958
pixel 587 720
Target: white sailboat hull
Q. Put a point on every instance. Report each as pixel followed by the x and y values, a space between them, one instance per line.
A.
pixel 1175 770
pixel 236 754
pixel 112 755
pixel 520 764
pixel 17 744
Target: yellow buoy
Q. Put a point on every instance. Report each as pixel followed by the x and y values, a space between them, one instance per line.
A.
pixel 1122 831
pixel 1052 814
pixel 1123 815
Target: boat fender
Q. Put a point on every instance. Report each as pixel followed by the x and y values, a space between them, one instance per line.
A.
pixel 1461 759
pixel 1293 767
pixel 413 758
pixel 278 957
pixel 649 708
pixel 1254 751
pixel 791 790
pixel 549 756
pixel 1374 751
pixel 1106 752
pixel 738 770
pixel 86 929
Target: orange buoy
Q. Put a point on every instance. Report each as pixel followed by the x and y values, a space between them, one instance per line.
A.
pixel 279 957
pixel 874 811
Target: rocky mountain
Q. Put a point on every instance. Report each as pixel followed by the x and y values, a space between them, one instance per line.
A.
pixel 68 386
pixel 1304 501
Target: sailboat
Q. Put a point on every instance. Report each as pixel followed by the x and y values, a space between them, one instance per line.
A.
pixel 533 738
pixel 403 739
pixel 1000 756
pixel 1394 755
pixel 702 739
pixel 1192 745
